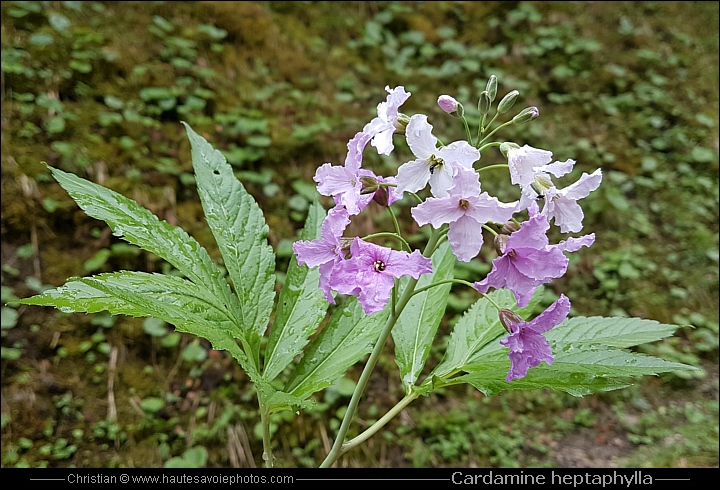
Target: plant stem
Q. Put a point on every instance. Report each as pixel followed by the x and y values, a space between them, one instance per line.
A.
pixel 370 431
pixel 336 449
pixel 267 456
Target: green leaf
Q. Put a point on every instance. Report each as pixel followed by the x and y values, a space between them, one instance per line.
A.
pixel 301 305
pixel 612 331
pixel 348 336
pixel 479 326
pixel 489 378
pixel 9 318
pixel 415 329
pixel 152 404
pixel 578 370
pixel 239 227
pixel 139 226
pixel 187 306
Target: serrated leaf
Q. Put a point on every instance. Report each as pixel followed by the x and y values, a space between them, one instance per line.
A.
pixel 178 301
pixel 416 327
pixel 578 370
pixel 137 225
pixel 238 225
pixel 348 336
pixel 603 361
pixel 609 331
pixel 301 305
pixel 489 378
pixel 477 328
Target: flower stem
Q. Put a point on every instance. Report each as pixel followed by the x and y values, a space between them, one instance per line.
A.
pixel 445 281
pixel 490 167
pixel 486 227
pixel 402 241
pixel 508 123
pixel 467 130
pixel 336 449
pixel 489 145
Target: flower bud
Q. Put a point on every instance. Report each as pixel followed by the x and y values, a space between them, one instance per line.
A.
pixel 526 115
pixel 382 196
pixel 369 185
pixel 491 87
pixel 509 319
pixel 484 102
pixel 500 242
pixel 541 184
pixel 510 227
pixel 507 102
pixel 448 104
pixel 401 123
pixel 507 146
pixel 345 246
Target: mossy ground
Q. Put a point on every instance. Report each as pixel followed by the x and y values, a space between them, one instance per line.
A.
pixel 99 89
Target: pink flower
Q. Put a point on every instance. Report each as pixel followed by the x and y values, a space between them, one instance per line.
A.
pixel 326 251
pixel 528 260
pixel 466 210
pixel 343 182
pixel 528 347
pixel 371 270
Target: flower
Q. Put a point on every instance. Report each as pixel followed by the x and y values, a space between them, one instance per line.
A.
pixel 525 162
pixel 528 260
pixel 530 168
pixel 561 204
pixel 326 251
pixel 466 210
pixel 370 272
pixel 343 182
pixel 448 104
pixel 381 128
pixel 433 165
pixel 528 347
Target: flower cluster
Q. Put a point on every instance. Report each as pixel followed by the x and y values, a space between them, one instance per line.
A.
pixel 526 258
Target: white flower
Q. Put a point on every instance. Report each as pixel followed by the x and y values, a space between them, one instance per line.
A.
pixel 433 165
pixel 384 125
pixel 561 204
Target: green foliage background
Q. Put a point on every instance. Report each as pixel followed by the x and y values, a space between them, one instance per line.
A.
pixel 99 88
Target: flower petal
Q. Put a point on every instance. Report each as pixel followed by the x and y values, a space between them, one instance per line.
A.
pixel 413 175
pixel 554 315
pixel 459 153
pixel 437 211
pixel 441 180
pixel 466 238
pixel 400 263
pixel 485 208
pixel 584 186
pixel 333 179
pixel 419 137
pixel 522 161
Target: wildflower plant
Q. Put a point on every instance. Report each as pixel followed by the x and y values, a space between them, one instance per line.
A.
pixel 379 284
